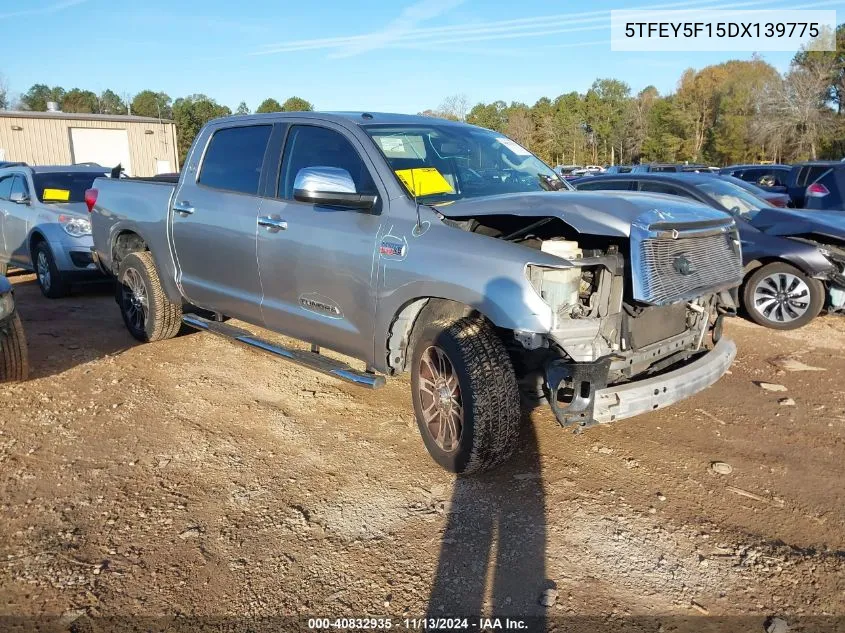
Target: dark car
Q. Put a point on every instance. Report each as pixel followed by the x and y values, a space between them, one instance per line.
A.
pixel 827 192
pixel 668 168
pixel 14 364
pixel 774 198
pixel 794 260
pixel 772 178
pixel 802 175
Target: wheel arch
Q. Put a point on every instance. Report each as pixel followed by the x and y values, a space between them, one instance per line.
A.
pixel 408 322
pixel 128 239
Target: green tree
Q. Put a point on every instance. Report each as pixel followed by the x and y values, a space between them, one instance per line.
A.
pixel 152 104
pixel 190 114
pixel 83 101
pixel 37 97
pixel 493 116
pixel 269 105
pixel 296 104
pixel 111 103
pixel 243 108
pixel 4 93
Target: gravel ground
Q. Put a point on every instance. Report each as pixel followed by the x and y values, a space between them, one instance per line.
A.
pixel 195 479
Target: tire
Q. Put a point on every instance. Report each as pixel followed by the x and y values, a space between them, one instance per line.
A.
pixel 781 297
pixel 14 357
pixel 53 284
pixel 147 312
pixel 475 388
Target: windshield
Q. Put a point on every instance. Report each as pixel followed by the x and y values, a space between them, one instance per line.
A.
pixel 64 186
pixel 444 163
pixel 735 199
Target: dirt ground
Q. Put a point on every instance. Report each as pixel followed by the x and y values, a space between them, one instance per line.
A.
pixel 195 478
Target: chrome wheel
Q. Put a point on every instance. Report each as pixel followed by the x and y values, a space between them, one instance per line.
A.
pixel 782 297
pixel 42 269
pixel 135 300
pixel 440 399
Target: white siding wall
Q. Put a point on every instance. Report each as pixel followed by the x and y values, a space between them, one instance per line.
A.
pixel 47 141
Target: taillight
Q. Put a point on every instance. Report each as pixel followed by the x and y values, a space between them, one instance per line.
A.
pixel 817 190
pixel 91 198
pixel 780 201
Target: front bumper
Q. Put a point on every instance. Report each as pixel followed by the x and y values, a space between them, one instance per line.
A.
pixel 594 403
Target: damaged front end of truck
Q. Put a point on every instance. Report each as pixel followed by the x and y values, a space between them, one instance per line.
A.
pixel 637 300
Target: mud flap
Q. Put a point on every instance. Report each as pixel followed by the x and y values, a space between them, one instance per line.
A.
pixel 580 382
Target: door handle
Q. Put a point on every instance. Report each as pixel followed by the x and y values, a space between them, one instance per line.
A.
pixel 272 224
pixel 183 207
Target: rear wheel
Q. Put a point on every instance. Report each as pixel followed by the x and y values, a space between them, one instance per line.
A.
pixel 51 281
pixel 147 312
pixel 465 394
pixel 14 358
pixel 781 297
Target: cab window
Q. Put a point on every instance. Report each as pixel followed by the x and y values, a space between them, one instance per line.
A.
pixel 234 159
pixel 312 146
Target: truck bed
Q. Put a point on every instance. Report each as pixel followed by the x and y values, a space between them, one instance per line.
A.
pixel 137 204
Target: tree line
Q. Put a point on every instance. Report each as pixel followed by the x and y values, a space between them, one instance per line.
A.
pixel 737 111
pixel 189 113
pixel 734 112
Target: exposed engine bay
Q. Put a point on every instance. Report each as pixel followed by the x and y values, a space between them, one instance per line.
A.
pixel 603 334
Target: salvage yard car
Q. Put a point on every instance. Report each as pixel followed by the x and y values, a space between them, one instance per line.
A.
pixel 14 365
pixel 794 259
pixel 44 226
pixel 433 247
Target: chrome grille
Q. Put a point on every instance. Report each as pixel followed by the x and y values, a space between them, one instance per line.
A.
pixel 669 266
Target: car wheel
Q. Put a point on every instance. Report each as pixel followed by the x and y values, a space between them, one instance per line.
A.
pixel 52 283
pixel 14 358
pixel 147 312
pixel 781 297
pixel 465 395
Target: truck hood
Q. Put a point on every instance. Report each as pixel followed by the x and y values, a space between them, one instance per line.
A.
pixel 606 213
pixel 799 222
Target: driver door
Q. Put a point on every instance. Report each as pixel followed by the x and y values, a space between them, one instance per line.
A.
pixel 318 273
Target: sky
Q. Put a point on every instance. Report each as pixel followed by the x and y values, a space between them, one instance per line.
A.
pixel 400 56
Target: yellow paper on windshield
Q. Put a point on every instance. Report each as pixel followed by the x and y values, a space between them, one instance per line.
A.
pixel 59 195
pixel 424 181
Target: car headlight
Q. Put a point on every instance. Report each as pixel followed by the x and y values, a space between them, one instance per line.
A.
pixel 7 305
pixel 75 226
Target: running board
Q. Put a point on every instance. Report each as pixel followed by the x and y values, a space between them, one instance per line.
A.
pixel 311 360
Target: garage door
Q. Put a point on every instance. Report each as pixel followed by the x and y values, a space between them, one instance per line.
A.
pixel 104 147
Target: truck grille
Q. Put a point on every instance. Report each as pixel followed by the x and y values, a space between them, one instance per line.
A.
pixel 669 266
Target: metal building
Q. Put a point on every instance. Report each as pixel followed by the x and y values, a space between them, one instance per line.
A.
pixel 144 146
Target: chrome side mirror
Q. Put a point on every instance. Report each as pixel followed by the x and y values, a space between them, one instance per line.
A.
pixel 329 186
pixel 19 198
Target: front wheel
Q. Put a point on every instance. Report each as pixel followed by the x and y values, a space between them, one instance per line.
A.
pixel 781 297
pixel 465 394
pixel 147 312
pixel 52 282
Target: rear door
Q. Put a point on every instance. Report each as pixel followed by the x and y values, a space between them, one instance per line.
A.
pixel 319 273
pixel 213 215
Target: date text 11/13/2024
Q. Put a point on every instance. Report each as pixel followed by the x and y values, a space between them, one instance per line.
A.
pixel 419 624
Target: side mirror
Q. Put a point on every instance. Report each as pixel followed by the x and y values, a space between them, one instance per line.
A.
pixel 19 198
pixel 329 186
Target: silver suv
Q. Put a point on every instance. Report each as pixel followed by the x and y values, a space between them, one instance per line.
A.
pixel 44 224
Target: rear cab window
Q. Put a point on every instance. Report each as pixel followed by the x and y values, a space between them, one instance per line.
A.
pixel 605 185
pixel 64 186
pixel 234 159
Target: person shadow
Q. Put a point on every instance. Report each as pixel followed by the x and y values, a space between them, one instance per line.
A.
pixel 492 561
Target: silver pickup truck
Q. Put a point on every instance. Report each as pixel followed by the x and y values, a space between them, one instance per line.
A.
pixel 439 248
